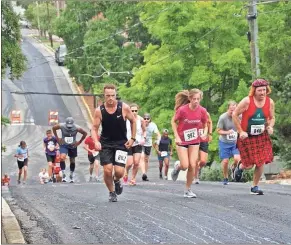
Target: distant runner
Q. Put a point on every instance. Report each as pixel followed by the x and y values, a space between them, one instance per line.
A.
pixel 151 130
pixel 93 157
pixel 134 153
pixel 165 151
pixel 69 144
pixel 255 128
pixel 113 144
pixel 22 161
pixel 227 140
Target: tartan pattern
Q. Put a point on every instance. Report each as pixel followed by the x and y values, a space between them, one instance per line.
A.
pixel 256 150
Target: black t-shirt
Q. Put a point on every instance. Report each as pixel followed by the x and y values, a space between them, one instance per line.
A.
pixel 165 143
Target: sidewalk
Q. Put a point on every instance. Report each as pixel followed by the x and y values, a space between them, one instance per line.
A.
pixel 3 238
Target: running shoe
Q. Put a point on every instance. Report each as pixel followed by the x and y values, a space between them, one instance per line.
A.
pixel 161 176
pixel 112 197
pixel 118 187
pixel 189 194
pixel 225 181
pixel 175 172
pixel 238 173
pixel 71 178
pixel 196 181
pixel 132 182
pixel 145 177
pixel 256 191
pixel 125 179
pixel 166 178
pixel 90 179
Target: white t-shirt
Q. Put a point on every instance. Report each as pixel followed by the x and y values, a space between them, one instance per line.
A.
pixel 139 133
pixel 150 129
pixel 43 176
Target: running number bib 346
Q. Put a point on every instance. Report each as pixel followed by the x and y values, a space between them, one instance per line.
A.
pixel 257 129
pixel 121 156
pixel 190 134
pixel 69 140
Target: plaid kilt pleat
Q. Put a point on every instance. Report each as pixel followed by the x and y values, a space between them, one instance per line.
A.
pixel 256 150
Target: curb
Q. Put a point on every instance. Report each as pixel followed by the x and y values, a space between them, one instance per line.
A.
pixel 280 182
pixel 10 225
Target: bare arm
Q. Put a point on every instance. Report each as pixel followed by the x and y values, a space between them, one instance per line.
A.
pixel 143 127
pixel 271 122
pixel 242 106
pixel 174 127
pixel 209 124
pixel 96 124
pixel 44 146
pixel 55 128
pixel 86 147
pixel 84 135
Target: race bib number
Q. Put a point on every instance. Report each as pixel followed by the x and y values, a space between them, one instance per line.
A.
pixel 190 134
pixel 232 136
pixel 164 153
pixel 95 154
pixel 201 132
pixel 257 129
pixel 121 156
pixel 69 140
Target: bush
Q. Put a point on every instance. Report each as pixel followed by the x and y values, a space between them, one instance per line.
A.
pixel 215 174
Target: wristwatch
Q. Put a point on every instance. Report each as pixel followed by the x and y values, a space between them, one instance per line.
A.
pixel 210 134
pixel 133 138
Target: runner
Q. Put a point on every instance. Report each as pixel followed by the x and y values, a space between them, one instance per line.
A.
pixel 50 145
pixel 22 161
pixel 258 120
pixel 93 157
pixel 164 150
pixel 68 144
pixel 203 149
pixel 43 176
pixel 227 141
pixel 151 129
pixel 113 144
pixel 187 121
pixel 134 153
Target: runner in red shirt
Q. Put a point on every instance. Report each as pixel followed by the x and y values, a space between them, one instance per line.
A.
pixel 186 123
pixel 93 157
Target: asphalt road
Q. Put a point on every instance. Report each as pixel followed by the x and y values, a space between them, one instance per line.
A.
pixel 151 212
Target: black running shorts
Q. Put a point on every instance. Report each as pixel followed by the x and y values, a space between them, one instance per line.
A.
pixel 92 159
pixel 50 158
pixel 147 150
pixel 113 155
pixel 204 147
pixel 134 150
pixel 21 164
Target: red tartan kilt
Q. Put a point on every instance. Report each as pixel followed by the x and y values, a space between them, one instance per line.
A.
pixel 256 150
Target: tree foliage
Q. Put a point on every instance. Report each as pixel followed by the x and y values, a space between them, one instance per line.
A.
pixel 11 57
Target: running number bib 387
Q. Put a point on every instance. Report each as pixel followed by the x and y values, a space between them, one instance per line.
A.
pixel 232 136
pixel 121 156
pixel 190 134
pixel 257 129
pixel 69 140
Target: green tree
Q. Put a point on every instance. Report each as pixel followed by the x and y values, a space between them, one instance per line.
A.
pixel 4 122
pixel 12 57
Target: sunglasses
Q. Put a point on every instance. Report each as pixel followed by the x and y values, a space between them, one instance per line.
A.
pixel 134 110
pixel 146 118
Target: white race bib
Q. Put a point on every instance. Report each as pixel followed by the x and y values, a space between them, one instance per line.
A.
pixel 20 159
pixel 232 136
pixel 51 147
pixel 69 140
pixel 257 129
pixel 121 156
pixel 164 153
pixel 190 134
pixel 201 132
pixel 95 153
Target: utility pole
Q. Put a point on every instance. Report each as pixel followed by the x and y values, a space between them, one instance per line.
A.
pixel 38 23
pixel 49 24
pixel 253 31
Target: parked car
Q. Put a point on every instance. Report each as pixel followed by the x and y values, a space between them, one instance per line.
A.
pixel 60 54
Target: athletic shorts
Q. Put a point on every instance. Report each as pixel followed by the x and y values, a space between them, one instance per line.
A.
pixel 134 150
pixel 108 155
pixel 71 152
pixel 203 147
pixel 147 150
pixel 21 164
pixel 50 158
pixel 92 159
pixel 227 151
pixel 187 146
pixel 162 158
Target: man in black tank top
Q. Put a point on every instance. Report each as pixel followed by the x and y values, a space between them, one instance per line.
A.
pixel 113 144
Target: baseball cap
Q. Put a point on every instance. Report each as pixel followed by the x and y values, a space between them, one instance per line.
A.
pixel 165 131
pixel 69 122
pixel 147 115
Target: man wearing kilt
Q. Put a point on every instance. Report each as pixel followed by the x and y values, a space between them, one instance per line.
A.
pixel 255 128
